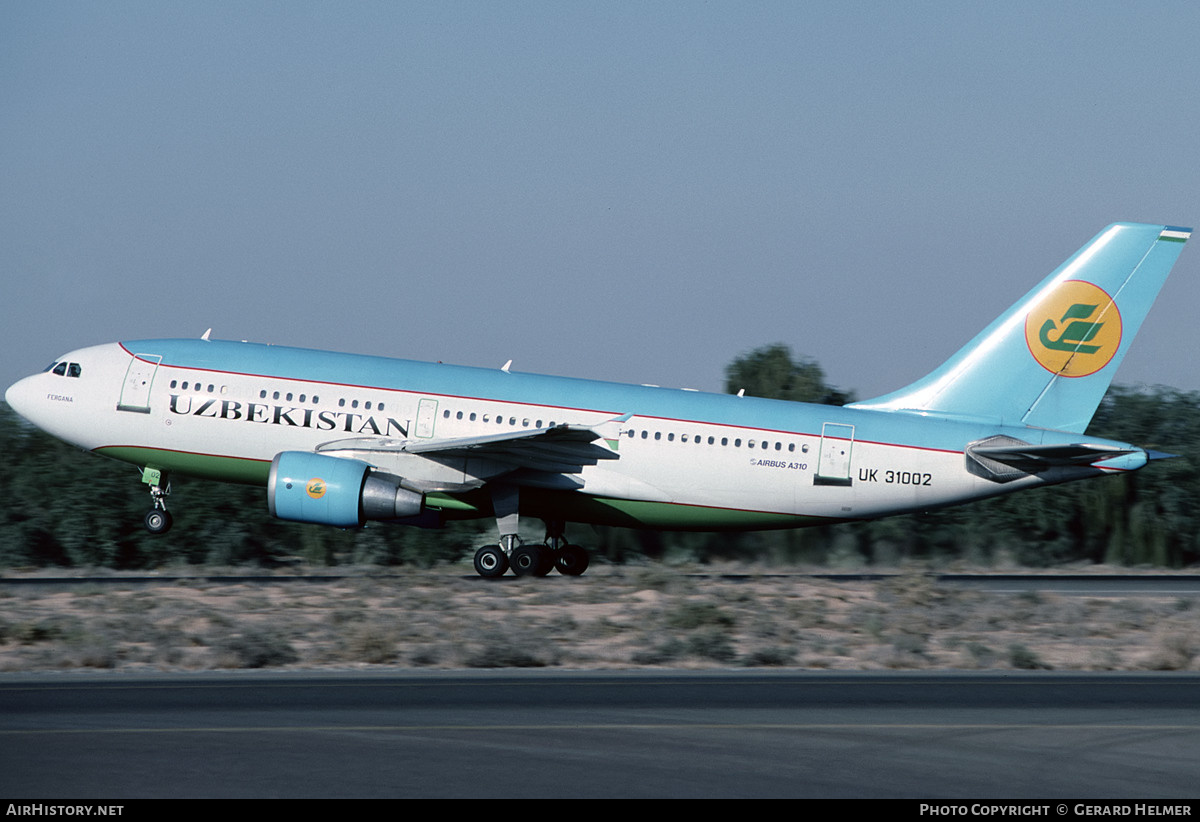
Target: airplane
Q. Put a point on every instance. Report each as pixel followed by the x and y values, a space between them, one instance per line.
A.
pixel 344 440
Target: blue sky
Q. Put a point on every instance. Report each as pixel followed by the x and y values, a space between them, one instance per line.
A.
pixel 627 191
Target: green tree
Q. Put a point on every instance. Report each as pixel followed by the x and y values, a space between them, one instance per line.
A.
pixel 65 507
pixel 772 372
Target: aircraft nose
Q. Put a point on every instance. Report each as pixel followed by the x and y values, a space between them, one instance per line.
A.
pixel 19 396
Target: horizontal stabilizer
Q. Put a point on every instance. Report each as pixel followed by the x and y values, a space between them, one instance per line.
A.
pixel 1034 457
pixel 1003 459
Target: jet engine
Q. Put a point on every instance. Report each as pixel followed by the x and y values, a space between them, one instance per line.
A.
pixel 306 487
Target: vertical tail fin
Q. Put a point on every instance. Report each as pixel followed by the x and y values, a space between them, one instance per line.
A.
pixel 1048 360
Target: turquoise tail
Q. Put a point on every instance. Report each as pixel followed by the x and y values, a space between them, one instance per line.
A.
pixel 1048 360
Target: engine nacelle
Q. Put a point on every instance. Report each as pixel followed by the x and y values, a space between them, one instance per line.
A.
pixel 306 487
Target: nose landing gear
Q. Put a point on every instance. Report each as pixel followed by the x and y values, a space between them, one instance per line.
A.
pixel 158 520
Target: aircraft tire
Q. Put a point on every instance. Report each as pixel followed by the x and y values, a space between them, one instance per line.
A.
pixel 490 562
pixel 571 561
pixel 158 521
pixel 526 561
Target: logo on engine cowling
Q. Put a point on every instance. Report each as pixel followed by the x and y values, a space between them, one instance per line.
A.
pixel 315 487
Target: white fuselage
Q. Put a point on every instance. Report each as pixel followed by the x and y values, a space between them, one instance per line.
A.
pixel 683 459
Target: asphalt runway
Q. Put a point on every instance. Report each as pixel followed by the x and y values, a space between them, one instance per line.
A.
pixel 586 734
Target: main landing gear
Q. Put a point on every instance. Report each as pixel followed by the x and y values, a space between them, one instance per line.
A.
pixel 530 559
pixel 158 519
pixel 526 559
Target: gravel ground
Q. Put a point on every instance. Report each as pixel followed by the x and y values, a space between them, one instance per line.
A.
pixel 613 617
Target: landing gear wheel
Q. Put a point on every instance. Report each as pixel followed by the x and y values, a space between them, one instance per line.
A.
pixel 158 521
pixel 526 560
pixel 571 560
pixel 490 562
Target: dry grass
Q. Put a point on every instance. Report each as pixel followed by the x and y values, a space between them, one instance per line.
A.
pixel 615 617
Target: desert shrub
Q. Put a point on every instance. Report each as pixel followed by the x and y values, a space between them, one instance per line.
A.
pixel 1021 656
pixel 253 648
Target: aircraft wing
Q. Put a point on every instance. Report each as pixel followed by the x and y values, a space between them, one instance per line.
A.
pixel 560 449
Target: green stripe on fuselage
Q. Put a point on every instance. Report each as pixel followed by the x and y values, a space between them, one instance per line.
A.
pixel 573 506
pixel 204 466
pixel 576 506
pixel 568 506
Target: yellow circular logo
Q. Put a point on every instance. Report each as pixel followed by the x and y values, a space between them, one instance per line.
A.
pixel 315 487
pixel 1074 329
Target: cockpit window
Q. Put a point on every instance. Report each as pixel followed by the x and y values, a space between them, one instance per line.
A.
pixel 66 369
